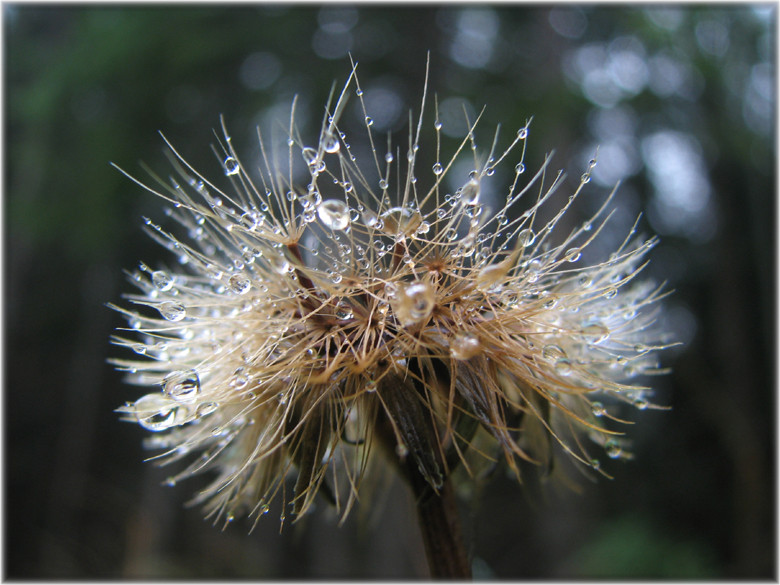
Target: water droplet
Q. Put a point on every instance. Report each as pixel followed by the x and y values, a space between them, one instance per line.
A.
pixel 469 193
pixel 611 293
pixel 594 333
pixel 438 169
pixel 309 155
pixel 613 449
pixel 162 280
pixel 519 168
pixel 414 303
pixel 334 214
pixel 464 345
pixel 156 412
pixel 239 284
pixel 358 92
pixel 231 166
pixel 182 386
pixel 239 381
pixel 598 409
pixel 172 311
pixel 382 184
pixel 563 366
pixel 572 254
pixel 640 403
pixel 553 352
pixel 206 408
pixel 401 221
pixel 331 144
pixel 489 277
pixel 522 133
pixel 369 121
pixel 526 237
pixel 585 178
pixel 279 263
pixel 389 157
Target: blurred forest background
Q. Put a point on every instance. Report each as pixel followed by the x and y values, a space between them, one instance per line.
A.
pixel 680 99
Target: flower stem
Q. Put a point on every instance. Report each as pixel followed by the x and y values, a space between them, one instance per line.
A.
pixel 437 514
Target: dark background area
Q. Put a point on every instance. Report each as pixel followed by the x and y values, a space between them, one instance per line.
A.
pixel 681 101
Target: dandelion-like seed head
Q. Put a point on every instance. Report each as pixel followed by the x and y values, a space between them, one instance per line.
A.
pixel 367 313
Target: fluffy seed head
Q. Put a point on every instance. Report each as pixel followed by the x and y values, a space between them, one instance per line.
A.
pixel 308 322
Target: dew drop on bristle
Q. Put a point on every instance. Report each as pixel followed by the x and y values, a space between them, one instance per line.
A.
pixel 469 193
pixel 526 237
pixel 172 311
pixel 162 280
pixel 334 214
pixel 594 333
pixel 182 386
pixel 613 449
pixel 239 284
pixel 156 412
pixel 414 303
pixel 206 408
pixel 437 169
pixel 398 221
pixel 331 144
pixel 231 166
pixel 553 352
pixel 464 345
pixel 563 366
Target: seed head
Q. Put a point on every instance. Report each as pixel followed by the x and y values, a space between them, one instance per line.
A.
pixel 309 322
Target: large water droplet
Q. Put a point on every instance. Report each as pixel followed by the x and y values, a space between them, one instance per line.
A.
pixel 239 284
pixel 594 333
pixel 469 193
pixel 401 221
pixel 156 412
pixel 563 366
pixel 172 311
pixel 309 155
pixel 162 280
pixel 598 409
pixel 526 237
pixel 613 449
pixel 572 254
pixel 437 169
pixel 231 166
pixel 182 386
pixel 490 277
pixel 279 263
pixel 331 144
pixel 206 408
pixel 334 214
pixel 553 352
pixel 464 345
pixel 414 302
